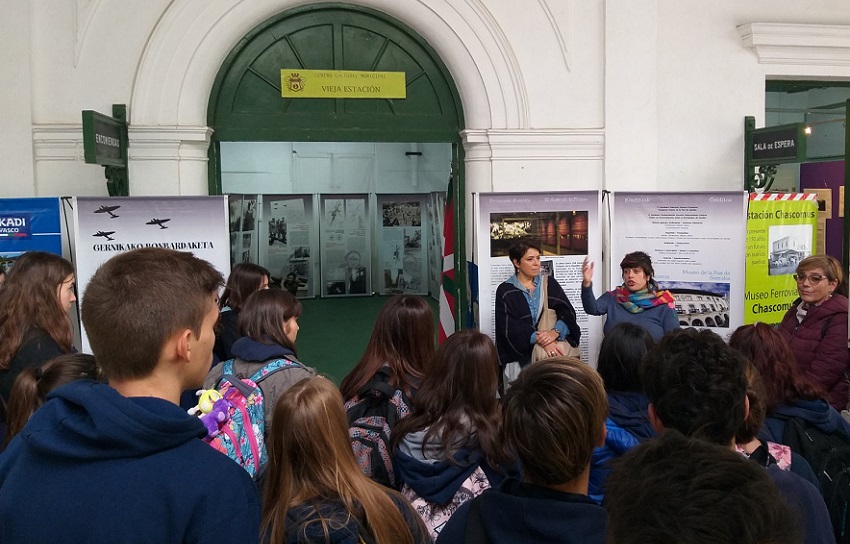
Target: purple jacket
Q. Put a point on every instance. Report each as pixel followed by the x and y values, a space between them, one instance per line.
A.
pixel 819 344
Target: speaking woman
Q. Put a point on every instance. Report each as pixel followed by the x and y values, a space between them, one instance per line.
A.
pixel 518 309
pixel 637 300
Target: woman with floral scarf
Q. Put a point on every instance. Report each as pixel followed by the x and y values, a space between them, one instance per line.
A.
pixel 637 300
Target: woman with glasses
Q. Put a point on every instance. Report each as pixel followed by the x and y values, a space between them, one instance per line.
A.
pixel 816 326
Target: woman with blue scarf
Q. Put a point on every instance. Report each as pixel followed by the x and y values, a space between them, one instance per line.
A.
pixel 637 301
pixel 519 306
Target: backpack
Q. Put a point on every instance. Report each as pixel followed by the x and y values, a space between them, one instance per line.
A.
pixel 829 455
pixel 371 416
pixel 241 433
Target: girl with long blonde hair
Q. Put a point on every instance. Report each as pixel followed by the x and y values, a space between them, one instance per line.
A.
pixel 316 492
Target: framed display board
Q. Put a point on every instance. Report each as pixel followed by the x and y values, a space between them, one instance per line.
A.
pixel 345 239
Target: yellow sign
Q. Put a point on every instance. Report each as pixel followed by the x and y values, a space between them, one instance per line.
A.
pixel 341 84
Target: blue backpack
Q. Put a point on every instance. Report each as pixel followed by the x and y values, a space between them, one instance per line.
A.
pixel 241 435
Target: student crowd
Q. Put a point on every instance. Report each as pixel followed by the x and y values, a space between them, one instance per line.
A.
pixel 677 436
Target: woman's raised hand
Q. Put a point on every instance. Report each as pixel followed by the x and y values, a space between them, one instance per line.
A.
pixel 587 272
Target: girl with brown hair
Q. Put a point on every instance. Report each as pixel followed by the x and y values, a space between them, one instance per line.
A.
pixel 378 391
pixel 449 450
pixel 316 492
pixel 33 384
pixel 268 324
pixel 34 321
pixel 244 279
pixel 788 392
pixel 402 344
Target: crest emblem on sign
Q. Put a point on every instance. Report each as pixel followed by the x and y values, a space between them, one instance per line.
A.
pixel 295 83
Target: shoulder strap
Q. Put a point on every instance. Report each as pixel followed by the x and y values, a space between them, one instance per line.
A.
pixel 238 384
pixel 226 370
pixel 544 292
pixel 377 385
pixel 274 366
pixel 475 533
pixel 762 456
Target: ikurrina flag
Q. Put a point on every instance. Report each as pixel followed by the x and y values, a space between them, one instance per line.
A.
pixel 448 288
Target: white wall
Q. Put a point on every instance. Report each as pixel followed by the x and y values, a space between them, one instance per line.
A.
pixel 16 150
pixel 557 94
pixel 340 167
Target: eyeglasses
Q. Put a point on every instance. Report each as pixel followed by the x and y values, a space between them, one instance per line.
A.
pixel 813 278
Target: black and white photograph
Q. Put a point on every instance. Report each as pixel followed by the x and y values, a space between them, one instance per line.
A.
pixel 249 213
pixel 412 238
pixel 402 214
pixel 235 209
pixel 788 245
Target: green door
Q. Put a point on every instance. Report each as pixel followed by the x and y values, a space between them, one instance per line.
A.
pixel 246 103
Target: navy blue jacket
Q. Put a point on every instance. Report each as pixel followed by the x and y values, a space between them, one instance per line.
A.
pixel 817 412
pixel 437 482
pixel 617 442
pixel 629 411
pixel 94 466
pixel 807 503
pixel 628 425
pixel 520 512
pixel 514 323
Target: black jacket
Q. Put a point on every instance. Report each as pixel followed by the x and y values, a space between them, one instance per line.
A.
pixel 515 324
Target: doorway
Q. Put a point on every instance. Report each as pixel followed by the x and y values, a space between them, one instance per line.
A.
pixel 338 148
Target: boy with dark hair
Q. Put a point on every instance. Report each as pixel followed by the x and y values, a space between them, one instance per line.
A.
pixel 683 490
pixel 122 462
pixel 696 385
pixel 554 415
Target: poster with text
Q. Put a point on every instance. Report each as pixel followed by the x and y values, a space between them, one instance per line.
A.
pixel 781 231
pixel 436 210
pixel 28 224
pixel 346 245
pixel 288 226
pixel 566 226
pixel 402 253
pixel 696 242
pixel 104 227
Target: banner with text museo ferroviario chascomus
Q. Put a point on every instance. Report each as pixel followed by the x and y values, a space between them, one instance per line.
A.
pixel 781 230
pixel 104 227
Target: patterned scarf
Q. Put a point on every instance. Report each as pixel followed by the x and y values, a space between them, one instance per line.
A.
pixel 642 300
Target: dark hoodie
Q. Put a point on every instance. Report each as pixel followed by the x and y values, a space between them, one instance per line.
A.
pixel 94 466
pixel 817 412
pixel 629 411
pixel 304 523
pixel 520 512
pixel 438 482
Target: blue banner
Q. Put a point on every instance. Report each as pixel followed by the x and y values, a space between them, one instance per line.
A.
pixel 28 224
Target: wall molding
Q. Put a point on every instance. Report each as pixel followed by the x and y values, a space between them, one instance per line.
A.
pixel 798 44
pixel 531 145
pixel 58 142
pixel 180 143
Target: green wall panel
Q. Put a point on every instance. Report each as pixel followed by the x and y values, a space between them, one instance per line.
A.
pixel 246 105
